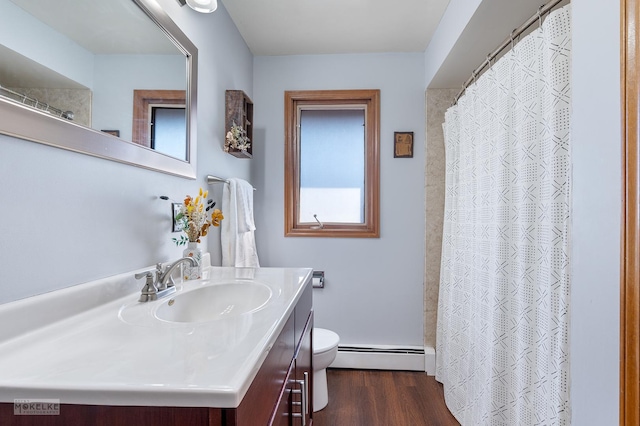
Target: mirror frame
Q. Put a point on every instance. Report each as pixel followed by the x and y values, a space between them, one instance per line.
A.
pixel 27 123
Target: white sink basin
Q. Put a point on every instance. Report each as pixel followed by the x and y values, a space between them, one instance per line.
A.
pixel 214 302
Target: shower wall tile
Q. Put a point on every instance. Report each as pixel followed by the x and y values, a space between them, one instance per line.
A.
pixel 437 103
pixel 76 100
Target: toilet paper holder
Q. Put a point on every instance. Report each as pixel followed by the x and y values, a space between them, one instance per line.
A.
pixel 318 279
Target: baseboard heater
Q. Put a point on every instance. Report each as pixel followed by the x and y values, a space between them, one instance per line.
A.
pixel 380 350
pixel 385 358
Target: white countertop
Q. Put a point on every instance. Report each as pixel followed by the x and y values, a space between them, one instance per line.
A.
pixel 90 344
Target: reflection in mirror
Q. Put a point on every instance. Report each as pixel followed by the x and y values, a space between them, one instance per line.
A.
pixel 71 65
pixel 159 121
pixel 168 130
pixel 30 83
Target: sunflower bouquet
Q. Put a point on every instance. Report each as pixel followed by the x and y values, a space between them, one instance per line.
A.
pixel 196 216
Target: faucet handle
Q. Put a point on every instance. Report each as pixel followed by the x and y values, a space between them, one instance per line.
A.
pixel 146 274
pixel 149 291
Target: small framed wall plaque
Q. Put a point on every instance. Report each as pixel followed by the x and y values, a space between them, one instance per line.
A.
pixel 403 145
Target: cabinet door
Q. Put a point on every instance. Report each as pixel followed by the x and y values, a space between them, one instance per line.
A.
pixel 282 413
pixel 257 406
pixel 302 394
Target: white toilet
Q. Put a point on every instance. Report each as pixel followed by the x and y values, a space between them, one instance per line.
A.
pixel 325 349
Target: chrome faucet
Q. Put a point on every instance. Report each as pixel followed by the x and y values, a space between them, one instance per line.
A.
pixel 161 283
pixel 165 280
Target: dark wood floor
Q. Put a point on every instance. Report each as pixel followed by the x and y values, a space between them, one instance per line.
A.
pixel 383 398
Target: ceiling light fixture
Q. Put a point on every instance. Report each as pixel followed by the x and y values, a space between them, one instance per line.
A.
pixel 202 6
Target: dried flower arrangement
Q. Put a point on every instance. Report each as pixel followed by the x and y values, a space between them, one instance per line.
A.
pixel 236 138
pixel 194 218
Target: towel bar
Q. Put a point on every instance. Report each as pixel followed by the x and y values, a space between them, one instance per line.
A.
pixel 215 179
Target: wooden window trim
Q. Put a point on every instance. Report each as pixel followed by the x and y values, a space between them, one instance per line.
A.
pixel 371 226
pixel 141 101
pixel 630 241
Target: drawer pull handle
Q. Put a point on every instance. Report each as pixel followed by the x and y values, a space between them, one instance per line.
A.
pixel 304 392
pixel 299 415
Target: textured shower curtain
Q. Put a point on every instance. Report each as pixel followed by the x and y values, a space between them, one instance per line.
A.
pixel 503 312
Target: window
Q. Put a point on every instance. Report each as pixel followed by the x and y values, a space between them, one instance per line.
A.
pixel 168 127
pixel 160 121
pixel 332 163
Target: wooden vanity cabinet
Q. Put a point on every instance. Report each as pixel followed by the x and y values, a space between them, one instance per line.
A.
pixel 288 368
pixel 304 377
pixel 258 404
pixel 295 404
pixel 274 398
pixel 302 371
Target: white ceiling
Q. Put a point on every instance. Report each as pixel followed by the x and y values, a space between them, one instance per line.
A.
pixel 299 27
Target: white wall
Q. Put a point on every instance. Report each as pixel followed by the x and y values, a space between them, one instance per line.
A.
pixel 596 140
pixel 374 287
pixel 595 292
pixel 467 32
pixel 68 218
pixel 452 24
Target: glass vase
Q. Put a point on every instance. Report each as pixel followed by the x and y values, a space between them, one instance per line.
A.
pixel 192 272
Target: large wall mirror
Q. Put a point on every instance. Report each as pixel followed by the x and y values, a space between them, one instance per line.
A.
pixel 70 71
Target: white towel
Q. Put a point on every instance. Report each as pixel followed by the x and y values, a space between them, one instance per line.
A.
pixel 244 203
pixel 237 228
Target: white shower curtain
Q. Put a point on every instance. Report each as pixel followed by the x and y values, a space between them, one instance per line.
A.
pixel 503 312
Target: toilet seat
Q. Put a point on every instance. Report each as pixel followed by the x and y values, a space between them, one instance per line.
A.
pixel 324 340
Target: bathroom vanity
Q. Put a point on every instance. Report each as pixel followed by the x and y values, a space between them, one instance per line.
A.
pixel 111 360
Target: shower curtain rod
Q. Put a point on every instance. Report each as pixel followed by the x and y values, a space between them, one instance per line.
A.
pixel 542 10
pixel 42 106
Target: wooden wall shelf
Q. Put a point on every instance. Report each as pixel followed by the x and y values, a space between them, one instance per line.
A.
pixel 239 109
